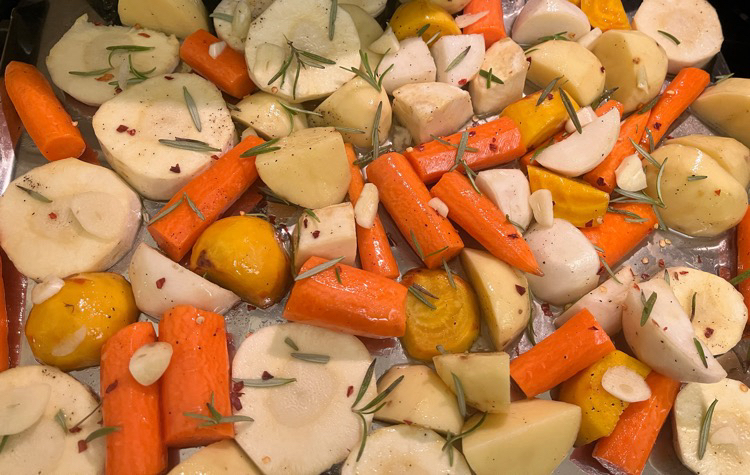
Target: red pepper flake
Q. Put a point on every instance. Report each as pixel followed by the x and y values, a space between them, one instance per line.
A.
pixel 250 307
pixel 175 169
pixel 528 58
pixel 493 147
pixel 266 376
pixel 699 259
pixel 594 327
pixel 657 125
pixel 272 219
pixel 670 137
pixel 545 309
pixel 494 139
pixel 118 90
pixel 550 96
pixel 601 69
pixel 472 133
pixel 513 236
pixel 408 422
pixel 168 78
pixel 589 223
pixel 145 35
pixel 75 430
pixel 111 387
pixel 304 223
pixel 315 234
pixel 661 263
pixel 420 147
pixel 645 276
pixel 600 271
pixel 131 132
pixel 461 82
pixel 676 276
pixel 105 77
pixel 82 446
pixel 238 386
pixel 122 128
pixel 160 283
pixel 349 391
pixel 708 332
pixel 215 157
pixel 600 181
pixel 724 273
pixel 52 216
pixel 234 399
pixel 683 272
pixel 717 192
pixel 520 289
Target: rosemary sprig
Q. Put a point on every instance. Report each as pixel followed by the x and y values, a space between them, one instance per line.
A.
pixel 740 277
pixel 604 97
pixel 692 306
pixel 319 268
pixel 338 274
pixel 288 340
pixel 60 419
pixel 423 290
pixel 368 75
pixel 193 207
pixel 635 197
pixel 374 132
pixel 222 16
pixel 705 427
pixel 312 214
pixel 166 211
pixel 96 72
pixel 365 382
pixel 216 418
pixel 417 292
pixel 670 36
pixel 645 154
pixel 609 270
pixel 417 247
pixel 349 130
pixel 312 357
pixel 421 31
pixel 332 18
pixel 449 273
pixel 699 347
pixel 457 60
pixel 265 383
pixel 454 145
pixel 490 77
pixel 304 59
pixel 649 105
pixel 265 147
pixel 3 441
pixel 452 439
pixel 696 177
pixel 570 110
pixel 547 90
pixel 34 194
pixel 104 431
pixel 371 407
pixel 192 108
pixel 648 306
pixel 460 397
pixel 722 77
pixel 189 144
pixel 135 72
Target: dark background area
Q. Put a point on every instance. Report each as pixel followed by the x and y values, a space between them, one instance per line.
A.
pixel 734 15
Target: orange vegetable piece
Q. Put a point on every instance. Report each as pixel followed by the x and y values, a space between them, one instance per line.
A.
pixel 491 25
pixel 4 342
pixel 618 237
pixel 606 14
pixel 743 255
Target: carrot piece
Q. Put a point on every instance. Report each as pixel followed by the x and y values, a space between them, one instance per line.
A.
pixel 228 71
pixel 375 253
pixel 484 221
pixel 627 449
pixel 197 375
pixel 363 303
pixel 743 255
pixel 138 448
pixel 491 25
pixel 405 197
pixel 44 117
pixel 617 235
pixel 573 347
pixel 4 342
pixel 90 156
pixel 600 111
pixel 498 142
pixel 677 97
pixel 603 176
pixel 212 192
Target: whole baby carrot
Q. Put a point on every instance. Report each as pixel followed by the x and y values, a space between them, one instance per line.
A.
pixel 484 221
pixel 621 230
pixel 576 345
pixel 375 253
pixel 177 226
pixel 496 142
pixel 41 113
pixel 432 236
pixel 228 70
pixel 138 447
pixel 197 379
pixel 351 301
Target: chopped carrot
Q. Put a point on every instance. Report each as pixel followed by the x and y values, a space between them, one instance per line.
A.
pixel 603 176
pixel 432 236
pixel 246 203
pixel 743 255
pixel 677 97
pixel 138 447
pixel 497 142
pixel 627 449
pixel 212 192
pixel 90 156
pixel 492 25
pixel 4 342
pixel 198 375
pixel 618 234
pixel 228 71
pixel 600 111
pixel 375 253
pixel 44 117
pixel 576 345
pixel 362 303
pixel 484 221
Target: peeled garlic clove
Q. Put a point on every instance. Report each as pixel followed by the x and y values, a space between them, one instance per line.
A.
pixel 625 384
pixel 462 21
pixel 629 175
pixel 438 205
pixel 149 362
pixel 542 207
pixel 46 289
pixel 215 49
pixel 366 208
pixel 21 407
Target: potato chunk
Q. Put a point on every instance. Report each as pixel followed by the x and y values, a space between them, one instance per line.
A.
pixel 431 108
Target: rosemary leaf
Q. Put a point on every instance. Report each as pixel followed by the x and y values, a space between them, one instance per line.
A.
pixel 380 79
pixel 670 36
pixel 364 436
pixel 570 110
pixel 338 274
pixel 222 16
pixel 193 207
pixel 193 146
pixel 433 253
pixel 696 177
pixel 374 132
pixel 192 108
pixel 418 294
pixel 60 419
pixel 97 72
pixel 699 347
pixel 319 268
pixel 3 441
pixel 332 18
pixel 604 97
pixel 457 60
pixel 459 395
pixel 417 247
pixel 557 36
pixel 365 382
pixel 265 383
pixel 530 50
pixel 547 90
pixel 648 306
pixel 537 152
pixel 34 194
pixel 423 290
pixel 609 270
pixel 530 330
pixel 507 218
pixel 315 57
pixel 104 431
pixel 296 110
pixel 79 423
pixel 667 279
pixel 423 29
pixel 363 74
pixel 452 440
pixel 449 273
pixel 135 72
pixel 739 278
pixel 722 77
pixel 692 306
pixel 651 144
pixel 288 340
pixel 379 398
pixel 461 149
pixel 312 214
pixel 266 147
pixel 273 197
pixel 349 130
pixel 433 38
pixel 658 180
pixel 130 48
pixel 312 357
pixel 454 145
pixel 705 427
pixel 635 197
pixel 649 105
pixel 624 212
pixel 490 77
pixel 645 154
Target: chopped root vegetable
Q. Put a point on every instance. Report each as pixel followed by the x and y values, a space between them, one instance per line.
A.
pixel 491 25
pixel 624 227
pixel 625 384
pixel 743 256
pixel 225 68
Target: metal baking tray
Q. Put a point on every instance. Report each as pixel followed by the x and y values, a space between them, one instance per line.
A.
pixel 36 25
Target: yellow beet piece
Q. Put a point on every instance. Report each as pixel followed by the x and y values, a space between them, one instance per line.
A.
pixel 454 323
pixel 243 254
pixel 411 17
pixel 600 410
pixel 68 329
pixel 574 201
pixel 538 122
pixel 606 14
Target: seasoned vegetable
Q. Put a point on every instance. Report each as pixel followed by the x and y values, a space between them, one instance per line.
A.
pixel 509 191
pixel 501 78
pixel 538 122
pixel 410 18
pixel 540 18
pixel 580 204
pixel 328 233
pixel 458 58
pixel 268 115
pixel 178 17
pixel 728 152
pixel 624 227
pixel 411 63
pixel 606 14
pixel 492 25
pixel 484 378
pixel 431 108
pixel 220 458
pixel 724 106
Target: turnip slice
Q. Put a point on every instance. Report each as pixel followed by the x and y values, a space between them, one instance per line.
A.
pixel 21 407
pixel 509 190
pixel 458 58
pixel 540 18
pixel 412 63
